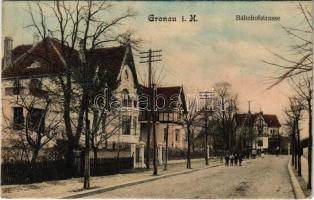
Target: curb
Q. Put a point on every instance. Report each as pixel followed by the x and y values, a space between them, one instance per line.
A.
pixel 101 190
pixel 297 190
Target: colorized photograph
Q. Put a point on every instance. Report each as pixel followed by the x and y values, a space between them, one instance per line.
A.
pixel 156 99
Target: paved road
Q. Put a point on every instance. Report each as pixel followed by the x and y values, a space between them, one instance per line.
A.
pixel 259 178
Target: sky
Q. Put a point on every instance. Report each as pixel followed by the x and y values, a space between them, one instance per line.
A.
pixel 198 54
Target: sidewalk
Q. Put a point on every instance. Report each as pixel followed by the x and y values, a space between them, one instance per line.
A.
pixel 299 183
pixel 70 187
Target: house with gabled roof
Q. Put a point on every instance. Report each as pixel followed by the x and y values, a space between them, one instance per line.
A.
pixel 170 106
pixel 36 65
pixel 259 128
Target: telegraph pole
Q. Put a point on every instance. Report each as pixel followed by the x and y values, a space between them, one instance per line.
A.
pixel 207 95
pixel 149 57
pixel 250 128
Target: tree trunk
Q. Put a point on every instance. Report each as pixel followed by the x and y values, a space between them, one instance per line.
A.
pixel 292 150
pixel 295 155
pixel 299 153
pixel 71 144
pixel 188 163
pixel 95 150
pixel 35 155
pixel 309 182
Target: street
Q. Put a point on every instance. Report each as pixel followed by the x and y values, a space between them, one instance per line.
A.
pixel 257 178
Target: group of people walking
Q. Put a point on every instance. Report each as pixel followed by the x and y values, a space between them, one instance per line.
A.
pixel 233 159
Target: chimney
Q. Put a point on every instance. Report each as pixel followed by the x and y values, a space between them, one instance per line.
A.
pixel 7 52
pixel 35 39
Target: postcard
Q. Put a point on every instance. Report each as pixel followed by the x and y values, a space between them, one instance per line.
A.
pixel 156 99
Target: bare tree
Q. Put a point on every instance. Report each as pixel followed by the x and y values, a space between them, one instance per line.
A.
pixel 303 86
pixel 298 66
pixel 294 114
pixel 191 119
pixel 39 126
pixel 301 59
pixel 227 104
pixel 106 123
pixel 87 24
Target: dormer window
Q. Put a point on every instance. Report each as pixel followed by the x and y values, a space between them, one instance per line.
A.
pixel 16 87
pixel 34 65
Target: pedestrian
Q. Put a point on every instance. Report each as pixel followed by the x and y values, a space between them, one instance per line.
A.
pixel 227 160
pixel 236 157
pixel 231 159
pixel 240 160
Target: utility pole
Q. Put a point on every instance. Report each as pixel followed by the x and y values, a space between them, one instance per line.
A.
pixel 207 95
pixel 150 57
pixel 250 128
pixel 167 141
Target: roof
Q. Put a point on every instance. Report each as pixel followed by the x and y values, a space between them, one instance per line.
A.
pixel 271 120
pixel 245 119
pixel 248 120
pixel 44 53
pixel 167 97
pixel 49 54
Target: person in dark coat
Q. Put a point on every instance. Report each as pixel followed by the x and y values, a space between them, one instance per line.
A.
pixel 231 159
pixel 240 160
pixel 227 160
pixel 236 157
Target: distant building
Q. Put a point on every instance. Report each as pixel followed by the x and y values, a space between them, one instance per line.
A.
pixel 171 105
pixel 259 130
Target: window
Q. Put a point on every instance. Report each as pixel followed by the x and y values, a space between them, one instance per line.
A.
pixel 134 124
pixel 15 90
pixel 126 74
pixel 125 98
pixel 35 88
pixel 18 118
pixel 34 65
pixel 16 87
pixel 36 120
pixel 165 134
pixel 177 135
pixel 126 125
pixel 260 143
pixel 135 104
pixel 35 84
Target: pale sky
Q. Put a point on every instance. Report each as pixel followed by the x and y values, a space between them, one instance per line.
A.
pixel 196 55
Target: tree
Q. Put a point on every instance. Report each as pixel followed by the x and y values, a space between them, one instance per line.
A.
pixel 227 104
pixel 106 121
pixel 294 114
pixel 86 24
pixel 191 119
pixel 303 86
pixel 33 131
pixel 301 59
pixel 298 64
